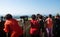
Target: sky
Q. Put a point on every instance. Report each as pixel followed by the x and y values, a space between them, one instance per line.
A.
pixel 28 7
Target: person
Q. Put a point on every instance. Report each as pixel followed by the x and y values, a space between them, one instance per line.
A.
pixel 34 29
pixel 49 25
pixel 2 33
pixel 41 23
pixel 11 27
pixel 56 26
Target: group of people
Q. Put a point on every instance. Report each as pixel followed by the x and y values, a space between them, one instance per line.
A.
pixel 40 26
pixel 45 26
pixel 11 27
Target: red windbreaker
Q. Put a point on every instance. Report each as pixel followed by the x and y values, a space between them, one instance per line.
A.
pixel 13 28
pixel 34 27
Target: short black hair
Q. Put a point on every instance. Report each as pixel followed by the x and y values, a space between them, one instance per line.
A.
pixel 2 17
pixel 50 15
pixel 8 16
pixel 58 15
pixel 33 16
pixel 41 17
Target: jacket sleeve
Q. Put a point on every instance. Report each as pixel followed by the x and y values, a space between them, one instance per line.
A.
pixel 6 27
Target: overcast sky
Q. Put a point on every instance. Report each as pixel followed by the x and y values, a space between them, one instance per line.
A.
pixel 28 7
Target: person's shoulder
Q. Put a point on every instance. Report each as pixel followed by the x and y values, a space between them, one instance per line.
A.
pixel 31 20
pixel 7 22
pixel 14 19
pixel 47 19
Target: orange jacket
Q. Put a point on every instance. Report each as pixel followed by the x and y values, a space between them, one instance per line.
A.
pixel 34 27
pixel 11 26
pixel 49 23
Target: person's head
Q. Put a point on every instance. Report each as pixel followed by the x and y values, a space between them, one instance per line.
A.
pixel 2 17
pixel 50 15
pixel 57 16
pixel 33 16
pixel 8 16
pixel 39 16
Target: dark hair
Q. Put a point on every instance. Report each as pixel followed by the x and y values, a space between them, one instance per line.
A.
pixel 33 16
pixel 58 15
pixel 2 17
pixel 38 14
pixel 8 16
pixel 50 15
pixel 41 17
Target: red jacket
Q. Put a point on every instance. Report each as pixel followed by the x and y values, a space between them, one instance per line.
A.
pixel 49 23
pixel 34 27
pixel 13 28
